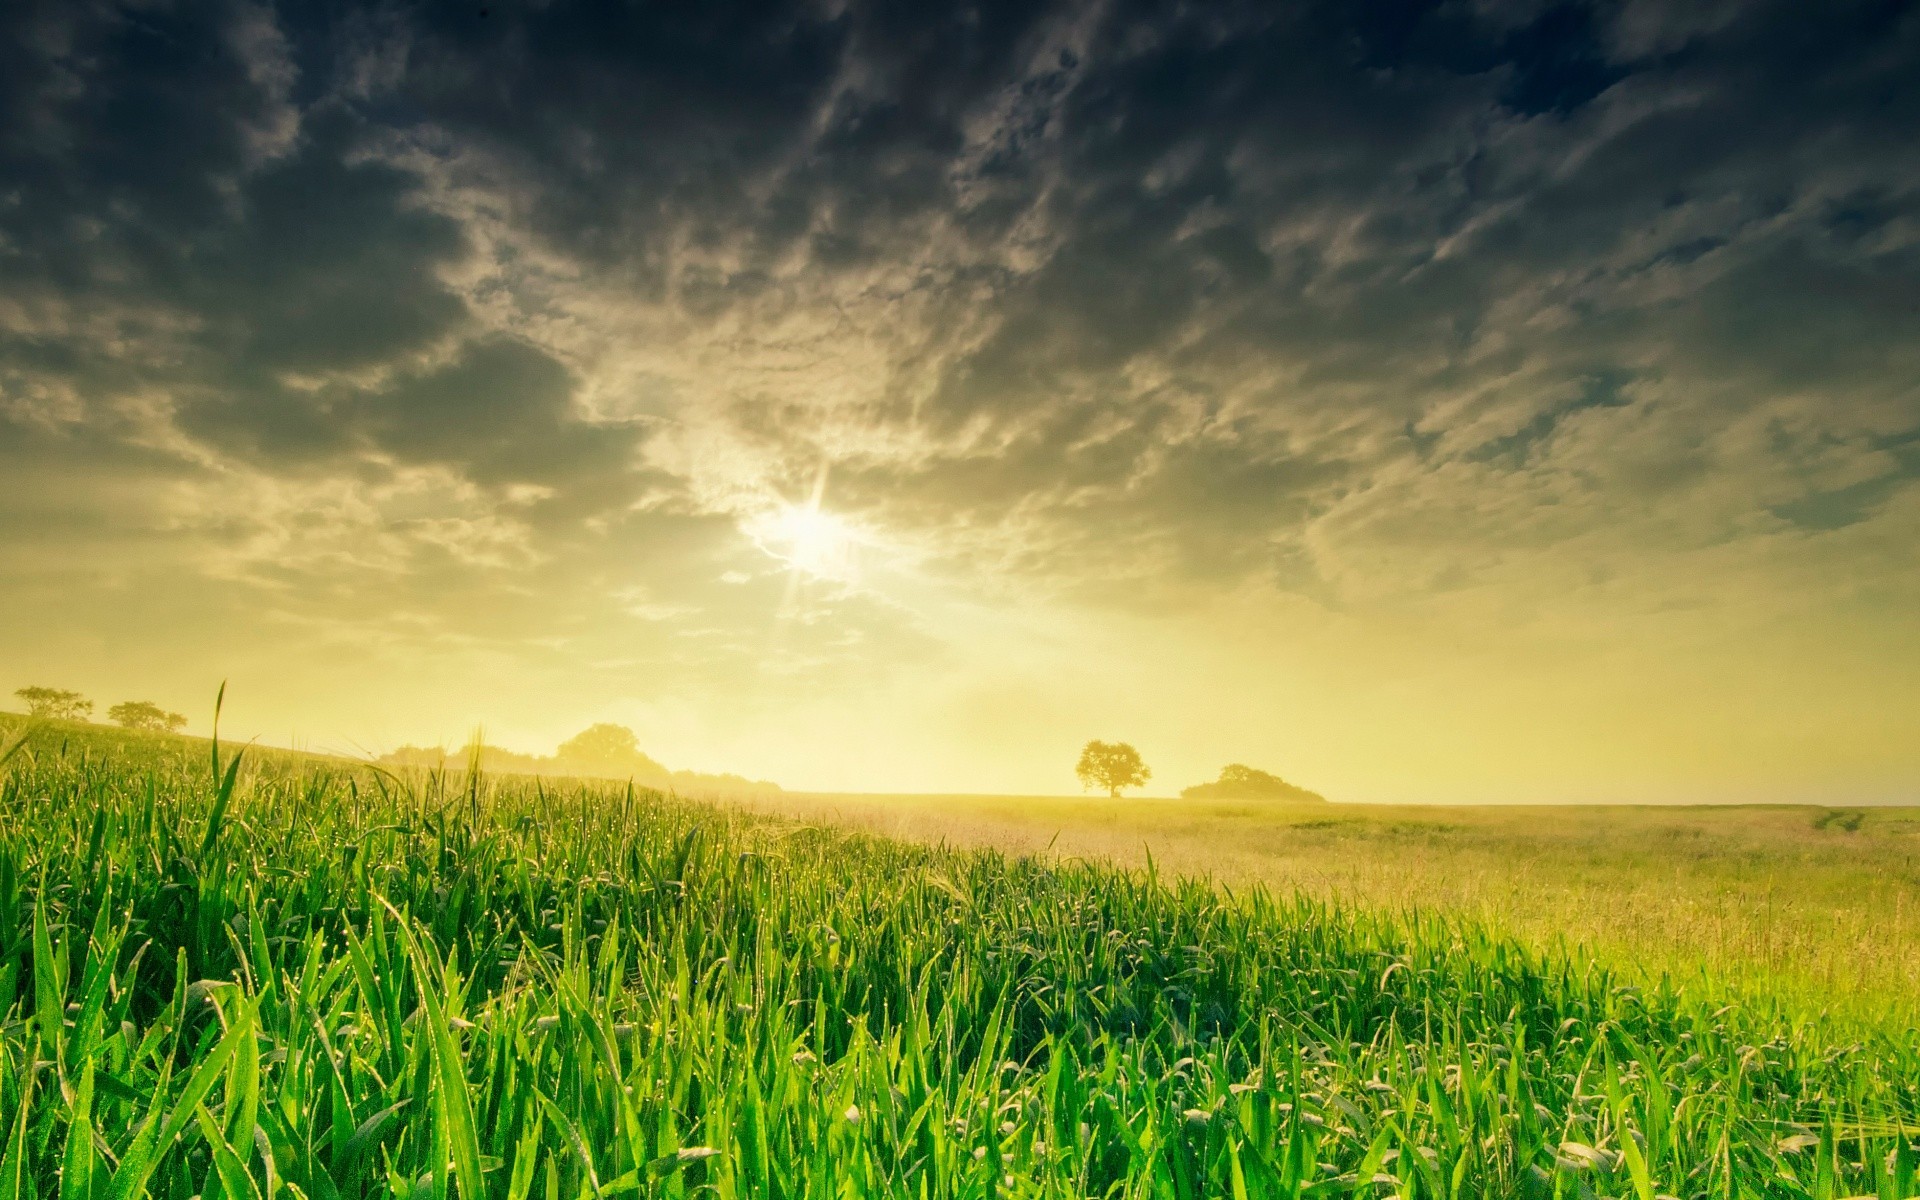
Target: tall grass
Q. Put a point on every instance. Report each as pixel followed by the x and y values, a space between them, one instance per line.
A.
pixel 301 980
pixel 1785 906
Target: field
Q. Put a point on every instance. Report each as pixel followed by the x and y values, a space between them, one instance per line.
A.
pixel 1807 908
pixel 282 976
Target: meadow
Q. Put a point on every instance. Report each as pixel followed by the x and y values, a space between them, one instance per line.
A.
pixel 1808 909
pixel 275 975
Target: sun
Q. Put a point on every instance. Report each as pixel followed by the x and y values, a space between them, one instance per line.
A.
pixel 809 539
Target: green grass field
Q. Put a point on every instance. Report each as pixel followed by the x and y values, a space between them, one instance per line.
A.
pixel 302 978
pixel 1809 908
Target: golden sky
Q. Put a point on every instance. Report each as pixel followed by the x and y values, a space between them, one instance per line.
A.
pixel 1506 403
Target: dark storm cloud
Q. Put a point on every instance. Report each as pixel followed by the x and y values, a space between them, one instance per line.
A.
pixel 765 127
pixel 1196 273
pixel 179 225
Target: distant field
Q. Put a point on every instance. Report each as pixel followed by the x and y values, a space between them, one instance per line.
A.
pixel 292 978
pixel 1814 906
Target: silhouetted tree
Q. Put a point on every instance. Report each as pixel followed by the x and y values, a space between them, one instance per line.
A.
pixel 1111 765
pixel 145 714
pixel 607 748
pixel 56 704
pixel 1240 782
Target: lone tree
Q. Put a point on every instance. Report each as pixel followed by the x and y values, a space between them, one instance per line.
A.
pixel 1111 765
pixel 145 714
pixel 56 704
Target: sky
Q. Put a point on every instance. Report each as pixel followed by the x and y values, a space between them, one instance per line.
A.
pixel 1485 400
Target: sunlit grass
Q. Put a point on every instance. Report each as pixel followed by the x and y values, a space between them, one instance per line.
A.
pixel 333 983
pixel 1807 908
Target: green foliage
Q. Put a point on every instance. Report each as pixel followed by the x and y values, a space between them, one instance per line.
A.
pixel 55 704
pixel 295 978
pixel 1240 782
pixel 146 715
pixel 1738 900
pixel 1111 765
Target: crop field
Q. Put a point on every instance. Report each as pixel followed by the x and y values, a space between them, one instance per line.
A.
pixel 273 976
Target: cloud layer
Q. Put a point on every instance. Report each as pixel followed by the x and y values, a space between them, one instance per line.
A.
pixel 1329 363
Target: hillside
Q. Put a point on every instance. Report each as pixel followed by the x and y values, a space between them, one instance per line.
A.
pixel 600 752
pixel 299 977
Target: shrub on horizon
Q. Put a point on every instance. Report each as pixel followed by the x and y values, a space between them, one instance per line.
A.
pixel 1240 782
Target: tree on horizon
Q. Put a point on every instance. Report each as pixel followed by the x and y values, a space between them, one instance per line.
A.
pixel 1240 782
pixel 1111 765
pixel 608 747
pixel 55 704
pixel 146 715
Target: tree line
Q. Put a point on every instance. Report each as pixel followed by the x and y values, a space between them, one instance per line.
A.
pixel 613 750
pixel 59 704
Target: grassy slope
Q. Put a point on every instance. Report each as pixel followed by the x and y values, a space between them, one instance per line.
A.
pixel 1758 897
pixel 590 989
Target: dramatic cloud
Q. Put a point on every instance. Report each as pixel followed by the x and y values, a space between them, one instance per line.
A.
pixel 1495 398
